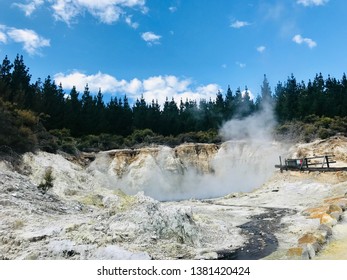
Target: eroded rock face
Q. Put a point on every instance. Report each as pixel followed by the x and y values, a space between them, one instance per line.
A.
pixel 175 160
pixel 189 170
pixel 161 172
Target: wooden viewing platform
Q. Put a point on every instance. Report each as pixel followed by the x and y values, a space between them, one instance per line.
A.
pixel 316 163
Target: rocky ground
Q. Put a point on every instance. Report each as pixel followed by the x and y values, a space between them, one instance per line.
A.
pixel 88 215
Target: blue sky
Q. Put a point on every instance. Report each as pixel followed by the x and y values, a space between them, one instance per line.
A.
pixel 175 48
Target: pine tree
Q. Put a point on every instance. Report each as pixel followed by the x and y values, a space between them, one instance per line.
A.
pixel 170 118
pixel 140 113
pixel 126 125
pixel 266 94
pixel 154 116
pixel 229 105
pixel 53 104
pixel 100 114
pixel 5 78
pixel 20 84
pixel 218 109
pixel 72 117
pixel 88 117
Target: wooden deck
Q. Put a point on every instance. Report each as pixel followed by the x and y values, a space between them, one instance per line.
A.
pixel 316 163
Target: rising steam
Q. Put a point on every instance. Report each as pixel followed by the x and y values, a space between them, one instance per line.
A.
pixel 244 161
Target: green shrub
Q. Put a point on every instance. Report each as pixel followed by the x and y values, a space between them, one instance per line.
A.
pixel 69 147
pixel 324 122
pixel 27 117
pixel 109 142
pixel 61 133
pixel 324 133
pixel 47 182
pixel 138 136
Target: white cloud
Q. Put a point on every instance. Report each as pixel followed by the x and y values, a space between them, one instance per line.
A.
pixel 32 42
pixel 3 37
pixel 106 11
pixel 99 80
pixel 172 87
pixel 108 14
pixel 301 40
pixel 65 11
pixel 173 9
pixel 153 88
pixel 151 38
pixel 241 65
pixel 30 7
pixel 261 49
pixel 238 24
pixel 130 22
pixel 251 95
pixel 307 3
pixel 134 87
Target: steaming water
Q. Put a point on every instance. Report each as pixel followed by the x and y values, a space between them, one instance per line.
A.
pixel 239 166
pixel 245 161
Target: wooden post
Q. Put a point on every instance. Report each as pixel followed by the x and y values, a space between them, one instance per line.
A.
pixel 327 160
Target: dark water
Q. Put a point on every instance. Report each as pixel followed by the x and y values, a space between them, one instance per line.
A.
pixel 260 232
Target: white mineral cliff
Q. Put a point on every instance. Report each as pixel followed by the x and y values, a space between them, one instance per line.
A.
pixel 109 209
pixel 190 171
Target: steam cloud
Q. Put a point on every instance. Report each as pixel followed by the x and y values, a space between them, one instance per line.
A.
pixel 244 161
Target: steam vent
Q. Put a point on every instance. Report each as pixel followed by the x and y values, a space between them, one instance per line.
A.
pixel 195 201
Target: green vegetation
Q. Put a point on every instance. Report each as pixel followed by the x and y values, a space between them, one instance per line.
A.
pixel 47 182
pixel 311 128
pixel 42 115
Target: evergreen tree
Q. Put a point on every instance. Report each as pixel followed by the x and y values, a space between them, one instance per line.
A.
pixel 53 104
pixel 292 92
pixel 266 94
pixel 229 105
pixel 5 78
pixel 72 117
pixel 21 92
pixel 318 88
pixel 88 117
pixel 188 116
pixel 170 118
pixel 344 95
pixel 218 109
pixel 126 118
pixel 113 116
pixel 280 101
pixel 100 113
pixel 154 116
pixel 140 113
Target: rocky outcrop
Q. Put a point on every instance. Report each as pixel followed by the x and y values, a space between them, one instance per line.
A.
pixel 189 170
pixel 328 214
pixel 176 160
pixel 36 225
pixel 336 146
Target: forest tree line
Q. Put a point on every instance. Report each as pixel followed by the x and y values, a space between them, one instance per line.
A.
pixel 83 113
